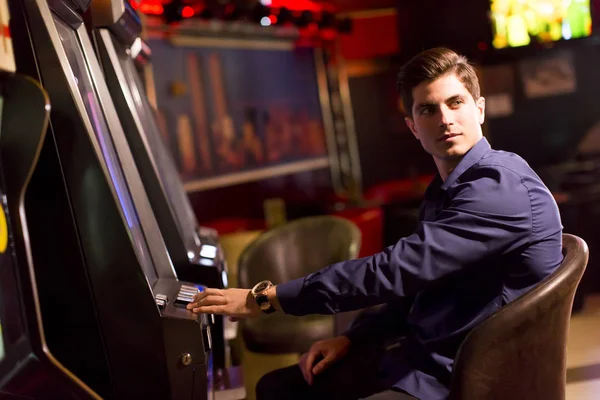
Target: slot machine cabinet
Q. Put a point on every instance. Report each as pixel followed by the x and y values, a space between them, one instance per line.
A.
pixel 114 310
pixel 196 253
pixel 24 356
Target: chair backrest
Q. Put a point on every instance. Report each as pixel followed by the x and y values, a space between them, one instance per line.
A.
pixel 298 248
pixel 520 351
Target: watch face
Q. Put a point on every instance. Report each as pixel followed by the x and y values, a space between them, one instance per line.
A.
pixel 263 302
pixel 261 286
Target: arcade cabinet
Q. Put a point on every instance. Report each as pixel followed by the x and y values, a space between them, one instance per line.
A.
pixel 196 257
pixel 114 310
pixel 24 356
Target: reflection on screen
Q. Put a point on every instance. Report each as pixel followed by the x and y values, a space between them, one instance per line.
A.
pixel 186 219
pixel 518 22
pixel 81 73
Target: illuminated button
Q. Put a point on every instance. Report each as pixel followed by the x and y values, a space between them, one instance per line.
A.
pixel 208 251
pixel 207 262
pixel 161 297
pixel 161 304
pixel 182 301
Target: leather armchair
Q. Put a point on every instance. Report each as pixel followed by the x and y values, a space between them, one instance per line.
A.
pixel 520 351
pixel 285 253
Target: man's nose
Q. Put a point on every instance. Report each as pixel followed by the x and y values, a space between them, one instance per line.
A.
pixel 446 117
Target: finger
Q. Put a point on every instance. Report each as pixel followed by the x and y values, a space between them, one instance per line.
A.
pixel 310 360
pixel 210 300
pixel 213 300
pixel 212 291
pixel 304 369
pixel 220 310
pixel 199 296
pixel 207 292
pixel 323 364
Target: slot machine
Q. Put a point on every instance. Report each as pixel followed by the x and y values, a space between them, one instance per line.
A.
pixel 195 252
pixel 24 356
pixel 113 306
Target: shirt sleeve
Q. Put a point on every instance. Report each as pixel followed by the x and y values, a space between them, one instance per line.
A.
pixel 376 323
pixel 489 215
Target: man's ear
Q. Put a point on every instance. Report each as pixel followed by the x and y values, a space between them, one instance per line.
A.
pixel 481 108
pixel 411 125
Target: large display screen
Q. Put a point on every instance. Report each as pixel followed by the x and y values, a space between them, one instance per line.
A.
pixel 80 70
pixel 520 22
pixel 184 213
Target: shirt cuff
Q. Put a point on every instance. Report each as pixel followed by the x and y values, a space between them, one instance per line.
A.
pixel 288 295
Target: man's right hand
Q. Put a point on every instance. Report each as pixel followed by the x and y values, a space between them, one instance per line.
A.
pixel 327 351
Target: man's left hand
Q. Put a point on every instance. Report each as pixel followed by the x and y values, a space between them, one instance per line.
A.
pixel 234 303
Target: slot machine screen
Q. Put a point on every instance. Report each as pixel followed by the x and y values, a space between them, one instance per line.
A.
pixel 186 219
pixel 88 93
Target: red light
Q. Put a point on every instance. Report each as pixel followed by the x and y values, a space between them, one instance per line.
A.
pixel 297 5
pixel 482 46
pixel 187 12
pixel 273 19
pixel 134 4
pixel 149 8
pixel 328 34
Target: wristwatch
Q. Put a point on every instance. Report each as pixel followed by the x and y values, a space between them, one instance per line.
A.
pixel 259 292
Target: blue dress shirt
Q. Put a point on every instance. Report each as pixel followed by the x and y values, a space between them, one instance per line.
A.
pixel 486 235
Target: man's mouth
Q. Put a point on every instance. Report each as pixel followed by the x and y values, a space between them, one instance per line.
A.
pixel 448 136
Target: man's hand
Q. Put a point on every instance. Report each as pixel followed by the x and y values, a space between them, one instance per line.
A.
pixel 328 351
pixel 235 303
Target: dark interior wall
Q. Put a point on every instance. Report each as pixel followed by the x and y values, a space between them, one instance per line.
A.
pixel 547 130
pixel 387 148
pixel 544 130
pixel 459 24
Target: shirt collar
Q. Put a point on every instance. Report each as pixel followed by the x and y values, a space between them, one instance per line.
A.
pixel 471 158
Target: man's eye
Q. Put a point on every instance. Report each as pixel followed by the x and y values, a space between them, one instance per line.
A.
pixel 426 110
pixel 457 102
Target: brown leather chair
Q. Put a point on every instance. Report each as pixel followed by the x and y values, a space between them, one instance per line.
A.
pixel 285 253
pixel 520 351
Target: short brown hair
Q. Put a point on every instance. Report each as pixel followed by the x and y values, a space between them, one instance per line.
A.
pixel 430 65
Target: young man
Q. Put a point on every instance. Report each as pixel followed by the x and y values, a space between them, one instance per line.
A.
pixel 489 231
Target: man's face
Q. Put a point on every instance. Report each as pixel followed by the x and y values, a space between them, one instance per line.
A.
pixel 446 119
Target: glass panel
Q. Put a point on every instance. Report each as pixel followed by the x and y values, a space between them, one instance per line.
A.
pixel 82 76
pixel 186 219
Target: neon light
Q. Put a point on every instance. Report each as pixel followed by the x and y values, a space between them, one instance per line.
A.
pixel 187 12
pixel 151 8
